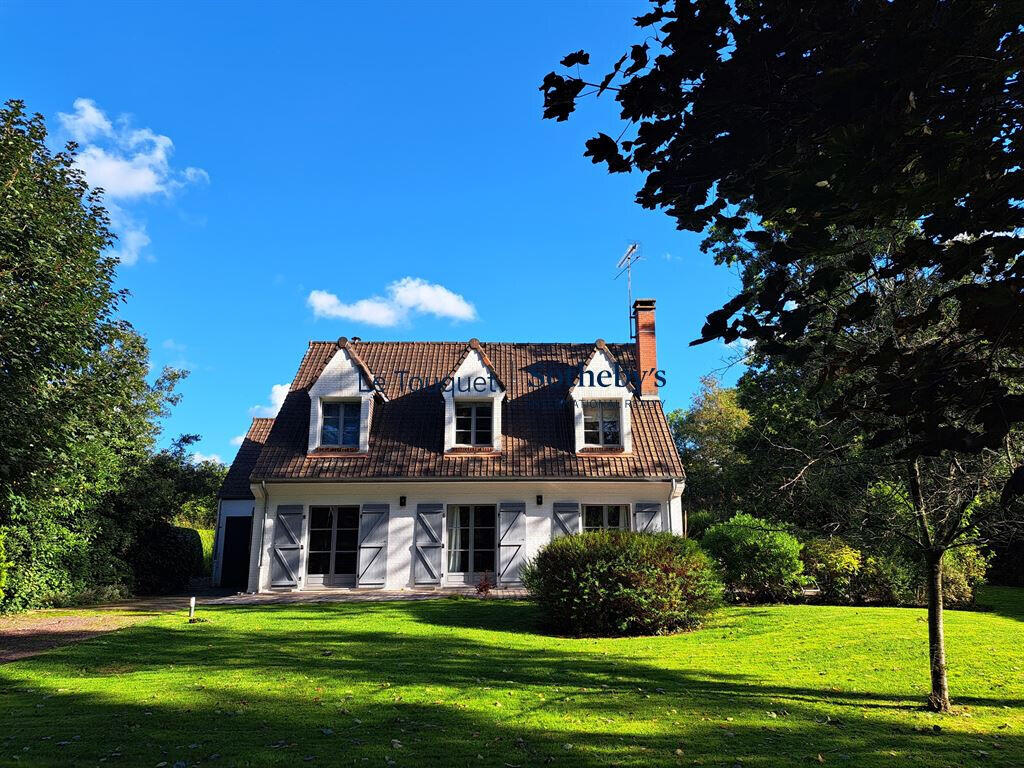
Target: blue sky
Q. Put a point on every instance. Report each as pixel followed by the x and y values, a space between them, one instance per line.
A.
pixel 387 160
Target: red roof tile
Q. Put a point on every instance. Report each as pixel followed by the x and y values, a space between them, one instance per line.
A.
pixel 236 483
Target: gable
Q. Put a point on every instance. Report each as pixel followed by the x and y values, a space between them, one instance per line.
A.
pixel 341 377
pixel 475 375
pixel 602 376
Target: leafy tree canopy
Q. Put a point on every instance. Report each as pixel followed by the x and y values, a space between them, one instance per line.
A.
pixel 78 414
pixel 789 132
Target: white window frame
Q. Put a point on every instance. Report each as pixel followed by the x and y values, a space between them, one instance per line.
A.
pixel 473 573
pixel 617 405
pixel 474 442
pixel 324 402
pixel 624 517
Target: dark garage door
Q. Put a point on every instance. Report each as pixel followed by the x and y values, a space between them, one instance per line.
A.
pixel 234 569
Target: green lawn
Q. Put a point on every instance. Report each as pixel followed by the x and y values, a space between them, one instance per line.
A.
pixel 466 682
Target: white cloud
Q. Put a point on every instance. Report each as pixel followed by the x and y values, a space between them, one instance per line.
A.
pixel 278 393
pixel 130 164
pixel 404 297
pixel 86 122
pixel 198 458
pixel 196 175
pixel 421 296
pixel 173 345
pixel 369 311
pixel 238 439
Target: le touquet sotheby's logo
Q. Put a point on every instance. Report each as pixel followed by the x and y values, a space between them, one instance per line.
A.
pixel 546 375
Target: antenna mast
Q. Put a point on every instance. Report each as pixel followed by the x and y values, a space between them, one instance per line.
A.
pixel 625 264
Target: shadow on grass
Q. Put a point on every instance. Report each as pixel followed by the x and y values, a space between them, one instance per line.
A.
pixel 1006 601
pixel 264 687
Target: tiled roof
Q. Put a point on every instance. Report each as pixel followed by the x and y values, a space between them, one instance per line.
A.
pixel 236 483
pixel 406 432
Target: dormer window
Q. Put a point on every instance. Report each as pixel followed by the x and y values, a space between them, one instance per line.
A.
pixel 341 405
pixel 601 404
pixel 474 424
pixel 601 422
pixel 340 424
pixel 472 394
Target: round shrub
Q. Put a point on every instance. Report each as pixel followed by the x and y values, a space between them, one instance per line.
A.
pixel 165 558
pixel 834 565
pixel 759 561
pixel 610 583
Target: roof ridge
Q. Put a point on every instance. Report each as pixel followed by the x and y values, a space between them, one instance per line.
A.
pixel 483 343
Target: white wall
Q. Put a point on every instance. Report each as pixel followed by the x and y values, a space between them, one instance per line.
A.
pixel 400 530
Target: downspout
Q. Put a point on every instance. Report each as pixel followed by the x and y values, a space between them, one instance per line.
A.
pixel 675 493
pixel 263 532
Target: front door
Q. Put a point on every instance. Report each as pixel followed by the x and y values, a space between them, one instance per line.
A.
pixel 472 542
pixel 333 542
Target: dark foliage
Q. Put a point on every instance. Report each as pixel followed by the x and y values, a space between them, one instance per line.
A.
pixel 623 583
pixel 165 557
pixel 860 162
pixel 782 129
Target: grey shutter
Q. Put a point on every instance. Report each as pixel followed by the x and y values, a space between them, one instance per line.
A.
pixel 427 543
pixel 373 546
pixel 565 518
pixel 647 516
pixel 512 537
pixel 287 542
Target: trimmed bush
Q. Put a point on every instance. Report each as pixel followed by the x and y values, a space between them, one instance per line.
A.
pixel 611 583
pixel 165 558
pixel 759 561
pixel 834 566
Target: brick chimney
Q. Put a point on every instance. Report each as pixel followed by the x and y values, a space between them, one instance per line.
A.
pixel 646 346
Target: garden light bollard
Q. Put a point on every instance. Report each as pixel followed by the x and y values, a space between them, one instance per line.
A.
pixel 191 608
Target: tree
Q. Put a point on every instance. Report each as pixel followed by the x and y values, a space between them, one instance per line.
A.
pixel 77 410
pixel 174 487
pixel 707 437
pixel 861 163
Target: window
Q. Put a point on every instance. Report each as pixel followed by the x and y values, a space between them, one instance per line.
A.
pixel 333 541
pixel 340 424
pixel 473 424
pixel 472 539
pixel 600 517
pixel 601 422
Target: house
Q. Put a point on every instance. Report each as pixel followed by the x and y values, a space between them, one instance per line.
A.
pixel 405 465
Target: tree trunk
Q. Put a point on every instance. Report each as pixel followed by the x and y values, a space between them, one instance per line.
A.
pixel 938 700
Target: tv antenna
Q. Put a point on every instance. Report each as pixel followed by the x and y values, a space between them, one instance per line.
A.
pixel 629 258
